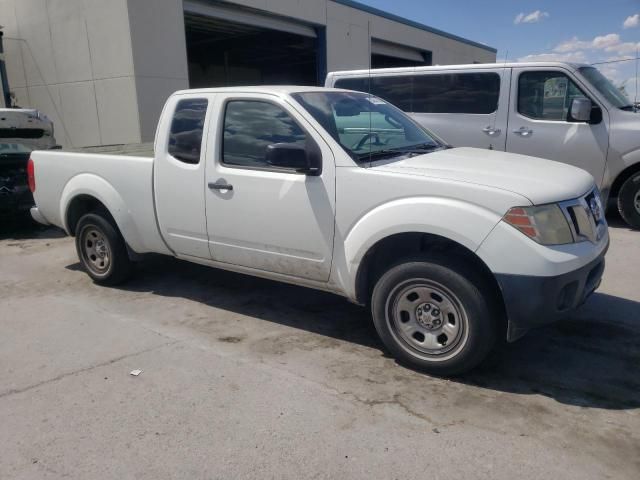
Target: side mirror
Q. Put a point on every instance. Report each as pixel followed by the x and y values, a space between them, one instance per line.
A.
pixel 580 110
pixel 291 155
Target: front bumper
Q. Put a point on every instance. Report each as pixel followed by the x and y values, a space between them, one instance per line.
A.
pixel 531 301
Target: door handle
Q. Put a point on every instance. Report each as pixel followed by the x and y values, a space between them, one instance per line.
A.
pixel 523 132
pixel 220 186
pixel 492 132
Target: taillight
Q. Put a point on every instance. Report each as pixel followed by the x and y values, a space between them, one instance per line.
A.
pixel 31 175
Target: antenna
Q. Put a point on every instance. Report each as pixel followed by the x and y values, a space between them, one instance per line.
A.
pixel 369 86
pixel 635 96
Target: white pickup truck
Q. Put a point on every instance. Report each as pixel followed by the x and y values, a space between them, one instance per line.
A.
pixel 453 249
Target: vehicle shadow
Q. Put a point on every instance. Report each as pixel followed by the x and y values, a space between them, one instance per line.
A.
pixel 590 360
pixel 26 228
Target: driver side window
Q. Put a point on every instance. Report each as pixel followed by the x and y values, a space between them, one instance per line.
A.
pixel 250 126
pixel 546 95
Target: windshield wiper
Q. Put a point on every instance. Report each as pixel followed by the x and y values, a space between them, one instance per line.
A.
pixel 379 153
pixel 629 108
pixel 418 148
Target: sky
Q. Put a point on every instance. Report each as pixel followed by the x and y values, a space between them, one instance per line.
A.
pixel 585 31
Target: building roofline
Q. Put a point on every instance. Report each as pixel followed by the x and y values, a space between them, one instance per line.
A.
pixel 411 23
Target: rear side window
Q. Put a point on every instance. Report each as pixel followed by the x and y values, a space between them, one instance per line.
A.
pixel 546 95
pixel 250 126
pixel 475 93
pixel 456 93
pixel 395 90
pixel 185 137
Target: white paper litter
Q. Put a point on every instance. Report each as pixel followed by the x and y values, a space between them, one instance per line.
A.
pixel 135 373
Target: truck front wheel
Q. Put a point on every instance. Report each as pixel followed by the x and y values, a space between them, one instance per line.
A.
pixel 629 201
pixel 433 315
pixel 102 250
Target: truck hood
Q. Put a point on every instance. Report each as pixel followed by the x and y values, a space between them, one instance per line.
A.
pixel 540 181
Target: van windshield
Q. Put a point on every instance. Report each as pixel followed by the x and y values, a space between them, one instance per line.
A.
pixel 607 89
pixel 367 126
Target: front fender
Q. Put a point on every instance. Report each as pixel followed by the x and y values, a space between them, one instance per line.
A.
pixel 97 187
pixel 462 222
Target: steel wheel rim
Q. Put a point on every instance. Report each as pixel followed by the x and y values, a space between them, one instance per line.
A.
pixel 636 201
pixel 427 319
pixel 96 251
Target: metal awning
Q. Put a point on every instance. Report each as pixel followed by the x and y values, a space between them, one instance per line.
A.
pixel 380 47
pixel 247 17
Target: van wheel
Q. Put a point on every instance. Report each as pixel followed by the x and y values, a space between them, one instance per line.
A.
pixel 629 201
pixel 432 316
pixel 102 250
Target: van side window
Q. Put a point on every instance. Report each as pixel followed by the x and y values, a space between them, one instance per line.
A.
pixel 434 93
pixel 476 93
pixel 185 136
pixel 546 95
pixel 396 90
pixel 250 126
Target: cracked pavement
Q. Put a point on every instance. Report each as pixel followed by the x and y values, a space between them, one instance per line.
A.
pixel 247 378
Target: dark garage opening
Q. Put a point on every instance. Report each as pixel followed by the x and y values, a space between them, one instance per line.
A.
pixel 386 61
pixel 222 53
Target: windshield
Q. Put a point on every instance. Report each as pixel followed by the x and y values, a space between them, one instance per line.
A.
pixel 367 126
pixel 605 87
pixel 13 148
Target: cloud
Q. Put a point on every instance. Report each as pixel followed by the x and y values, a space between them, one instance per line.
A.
pixel 632 21
pixel 609 43
pixel 606 41
pixel 572 45
pixel 576 57
pixel 533 17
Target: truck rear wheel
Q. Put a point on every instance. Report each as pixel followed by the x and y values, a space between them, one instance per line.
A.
pixel 629 201
pixel 102 250
pixel 433 316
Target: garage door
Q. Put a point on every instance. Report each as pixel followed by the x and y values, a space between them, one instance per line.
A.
pixel 239 46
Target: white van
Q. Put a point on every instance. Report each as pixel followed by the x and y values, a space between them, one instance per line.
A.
pixel 561 111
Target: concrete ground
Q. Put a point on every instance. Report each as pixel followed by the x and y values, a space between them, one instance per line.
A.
pixel 246 378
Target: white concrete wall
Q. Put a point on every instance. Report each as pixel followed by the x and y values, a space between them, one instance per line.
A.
pixel 72 59
pixel 159 57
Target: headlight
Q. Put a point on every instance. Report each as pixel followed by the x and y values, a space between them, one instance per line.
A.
pixel 546 224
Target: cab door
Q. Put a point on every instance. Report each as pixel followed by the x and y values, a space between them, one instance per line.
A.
pixel 540 123
pixel 259 215
pixel 179 174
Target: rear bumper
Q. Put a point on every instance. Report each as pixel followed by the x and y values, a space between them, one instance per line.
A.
pixel 38 217
pixel 531 301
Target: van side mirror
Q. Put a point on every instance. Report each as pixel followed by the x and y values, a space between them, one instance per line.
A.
pixel 580 110
pixel 299 158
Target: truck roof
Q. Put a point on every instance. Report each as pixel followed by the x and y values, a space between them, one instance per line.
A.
pixel 268 89
pixel 572 66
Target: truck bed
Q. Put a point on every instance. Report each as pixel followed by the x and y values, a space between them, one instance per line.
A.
pixel 123 183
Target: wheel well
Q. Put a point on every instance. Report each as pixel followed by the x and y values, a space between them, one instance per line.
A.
pixel 81 205
pixel 622 177
pixel 394 248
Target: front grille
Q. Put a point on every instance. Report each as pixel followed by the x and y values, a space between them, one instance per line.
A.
pixel 586 217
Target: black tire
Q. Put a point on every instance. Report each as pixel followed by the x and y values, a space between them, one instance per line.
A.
pixel 456 286
pixel 629 201
pixel 96 235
